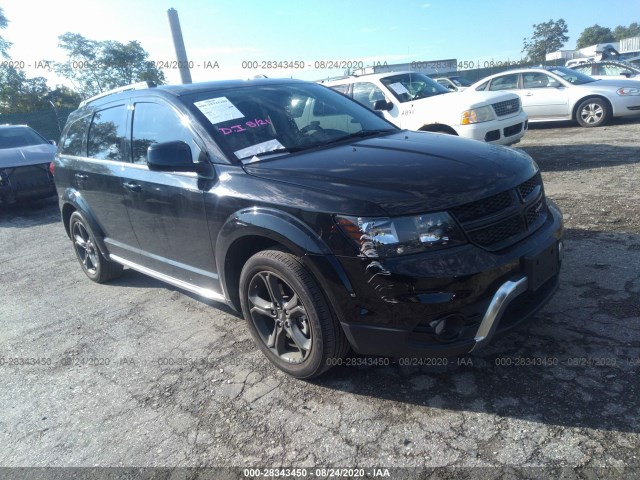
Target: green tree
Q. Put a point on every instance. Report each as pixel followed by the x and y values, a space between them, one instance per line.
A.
pixel 547 37
pixel 4 45
pixel 633 30
pixel 63 97
pixel 21 94
pixel 594 35
pixel 94 67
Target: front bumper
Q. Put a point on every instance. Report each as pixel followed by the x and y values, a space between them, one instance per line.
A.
pixel 25 183
pixel 503 131
pixel 446 303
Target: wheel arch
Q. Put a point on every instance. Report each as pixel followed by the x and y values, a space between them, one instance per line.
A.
pixel 72 202
pixel 574 112
pixel 250 231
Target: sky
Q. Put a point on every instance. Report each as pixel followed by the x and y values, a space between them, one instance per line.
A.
pixel 231 32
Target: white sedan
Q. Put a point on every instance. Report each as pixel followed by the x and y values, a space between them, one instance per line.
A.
pixel 559 93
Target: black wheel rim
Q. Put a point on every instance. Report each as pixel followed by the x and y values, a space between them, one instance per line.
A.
pixel 85 248
pixel 280 317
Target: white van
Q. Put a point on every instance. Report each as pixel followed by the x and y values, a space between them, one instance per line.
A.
pixel 416 102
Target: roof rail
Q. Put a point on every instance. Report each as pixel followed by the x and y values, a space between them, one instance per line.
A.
pixel 133 86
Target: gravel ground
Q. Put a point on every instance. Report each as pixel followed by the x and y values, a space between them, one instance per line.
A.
pixel 139 374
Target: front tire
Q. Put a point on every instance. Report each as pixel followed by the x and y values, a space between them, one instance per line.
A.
pixel 593 112
pixel 93 263
pixel 288 316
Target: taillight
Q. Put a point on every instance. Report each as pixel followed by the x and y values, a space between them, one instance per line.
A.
pixel 51 168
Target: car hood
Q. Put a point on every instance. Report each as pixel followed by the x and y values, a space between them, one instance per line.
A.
pixel 24 156
pixel 405 172
pixel 614 84
pixel 464 100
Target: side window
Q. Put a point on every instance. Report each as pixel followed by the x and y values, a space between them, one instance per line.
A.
pixel 506 82
pixel 106 134
pixel 367 94
pixel 156 123
pixel 72 142
pixel 482 86
pixel 586 69
pixel 341 88
pixel 608 69
pixel 537 80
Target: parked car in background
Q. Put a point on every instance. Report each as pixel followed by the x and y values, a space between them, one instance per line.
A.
pixel 25 157
pixel 326 225
pixel 609 70
pixel 560 93
pixel 416 102
pixel 455 83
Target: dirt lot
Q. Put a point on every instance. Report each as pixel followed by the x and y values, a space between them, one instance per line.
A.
pixel 136 373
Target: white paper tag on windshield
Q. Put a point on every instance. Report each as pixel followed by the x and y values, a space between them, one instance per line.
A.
pixel 259 148
pixel 398 88
pixel 218 110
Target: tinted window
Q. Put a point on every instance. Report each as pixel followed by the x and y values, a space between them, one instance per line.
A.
pixel 506 82
pixel 72 142
pixel 155 123
pixel 13 137
pixel 106 135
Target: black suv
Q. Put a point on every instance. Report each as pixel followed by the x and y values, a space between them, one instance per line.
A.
pixel 324 224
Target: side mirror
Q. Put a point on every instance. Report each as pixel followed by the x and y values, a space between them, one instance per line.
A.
pixel 171 157
pixel 383 105
pixel 53 142
pixel 452 88
pixel 626 73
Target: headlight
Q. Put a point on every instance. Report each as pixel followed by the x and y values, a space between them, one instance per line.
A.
pixel 477 115
pixel 385 237
pixel 628 91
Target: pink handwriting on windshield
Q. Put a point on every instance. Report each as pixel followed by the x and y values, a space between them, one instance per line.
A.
pixel 255 123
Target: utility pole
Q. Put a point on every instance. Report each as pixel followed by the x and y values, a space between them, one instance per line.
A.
pixel 178 43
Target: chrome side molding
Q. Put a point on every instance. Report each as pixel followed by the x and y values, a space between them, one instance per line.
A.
pixel 203 292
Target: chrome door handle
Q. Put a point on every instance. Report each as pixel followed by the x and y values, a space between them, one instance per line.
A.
pixel 132 187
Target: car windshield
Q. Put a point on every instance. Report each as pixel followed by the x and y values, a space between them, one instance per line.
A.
pixel 16 137
pixel 254 122
pixel 412 86
pixel 460 82
pixel 572 76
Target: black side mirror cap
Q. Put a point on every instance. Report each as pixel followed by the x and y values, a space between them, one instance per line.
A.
pixel 171 157
pixel 382 105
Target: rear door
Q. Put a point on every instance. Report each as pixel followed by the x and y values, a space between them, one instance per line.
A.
pixel 93 163
pixel 167 208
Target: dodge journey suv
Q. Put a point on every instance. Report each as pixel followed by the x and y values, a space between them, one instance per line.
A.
pixel 328 227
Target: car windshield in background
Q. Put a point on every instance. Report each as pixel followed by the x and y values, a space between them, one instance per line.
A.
pixel 16 137
pixel 460 82
pixel 572 76
pixel 249 123
pixel 412 86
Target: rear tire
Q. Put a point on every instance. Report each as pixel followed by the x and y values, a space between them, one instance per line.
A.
pixel 93 263
pixel 288 315
pixel 593 112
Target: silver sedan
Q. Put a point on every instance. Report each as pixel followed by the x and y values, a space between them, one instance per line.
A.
pixel 559 93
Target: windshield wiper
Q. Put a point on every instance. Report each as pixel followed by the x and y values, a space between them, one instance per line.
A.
pixel 362 134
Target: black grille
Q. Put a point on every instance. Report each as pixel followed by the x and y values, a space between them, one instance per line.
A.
pixel 504 219
pixel 497 233
pixel 536 212
pixel 526 188
pixel 508 107
pixel 513 130
pixel 482 208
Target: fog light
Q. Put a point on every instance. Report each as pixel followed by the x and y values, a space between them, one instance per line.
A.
pixel 449 327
